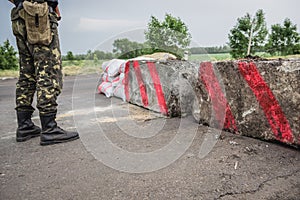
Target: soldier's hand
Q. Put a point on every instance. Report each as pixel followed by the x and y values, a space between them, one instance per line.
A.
pixel 58 13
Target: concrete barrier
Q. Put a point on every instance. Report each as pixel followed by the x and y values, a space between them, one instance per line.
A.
pixel 161 86
pixel 259 99
pixel 253 98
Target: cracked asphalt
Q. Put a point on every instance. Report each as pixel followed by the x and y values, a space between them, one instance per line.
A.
pixel 237 167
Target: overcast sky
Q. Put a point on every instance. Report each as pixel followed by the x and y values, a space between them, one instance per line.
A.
pixel 94 24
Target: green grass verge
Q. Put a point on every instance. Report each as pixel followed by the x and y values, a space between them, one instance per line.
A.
pixel 285 57
pixel 210 57
pixel 227 56
pixel 71 68
pixel 9 73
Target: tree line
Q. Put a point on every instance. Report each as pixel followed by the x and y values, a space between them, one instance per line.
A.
pixel 210 50
pixel 90 55
pixel 126 49
pixel 169 35
pixel 250 35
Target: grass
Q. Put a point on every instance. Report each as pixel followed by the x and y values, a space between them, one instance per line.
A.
pixel 9 73
pixel 210 57
pixel 227 56
pixel 70 68
pixel 285 57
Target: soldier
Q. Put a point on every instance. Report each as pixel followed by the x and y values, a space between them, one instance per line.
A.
pixel 34 24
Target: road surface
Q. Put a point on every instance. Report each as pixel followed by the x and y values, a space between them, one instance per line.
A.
pixel 126 152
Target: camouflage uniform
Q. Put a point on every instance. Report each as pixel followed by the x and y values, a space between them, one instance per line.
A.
pixel 40 68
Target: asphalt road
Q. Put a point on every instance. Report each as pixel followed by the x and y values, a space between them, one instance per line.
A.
pixel 129 153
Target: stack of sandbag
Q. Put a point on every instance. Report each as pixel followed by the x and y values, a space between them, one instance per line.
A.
pixel 161 86
pixel 111 81
pixel 164 87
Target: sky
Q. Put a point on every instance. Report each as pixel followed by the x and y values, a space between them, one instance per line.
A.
pixel 95 24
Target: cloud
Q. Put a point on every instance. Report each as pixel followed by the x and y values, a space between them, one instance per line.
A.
pixel 90 24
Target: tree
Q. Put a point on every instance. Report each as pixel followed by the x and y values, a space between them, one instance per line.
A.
pixel 284 40
pixel 124 48
pixel 89 55
pixel 248 35
pixel 96 60
pixel 70 56
pixel 170 35
pixel 8 58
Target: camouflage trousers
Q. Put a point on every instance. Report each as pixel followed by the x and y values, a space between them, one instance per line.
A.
pixel 40 68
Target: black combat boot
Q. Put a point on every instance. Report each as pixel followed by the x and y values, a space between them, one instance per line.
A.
pixel 26 128
pixel 53 134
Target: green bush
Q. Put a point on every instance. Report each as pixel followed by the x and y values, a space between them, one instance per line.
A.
pixel 8 58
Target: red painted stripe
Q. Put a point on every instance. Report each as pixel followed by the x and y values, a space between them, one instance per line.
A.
pixel 120 68
pixel 106 68
pixel 140 81
pixel 218 100
pixel 116 79
pixel 158 88
pixel 277 120
pixel 126 81
pixel 105 89
pixel 99 89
